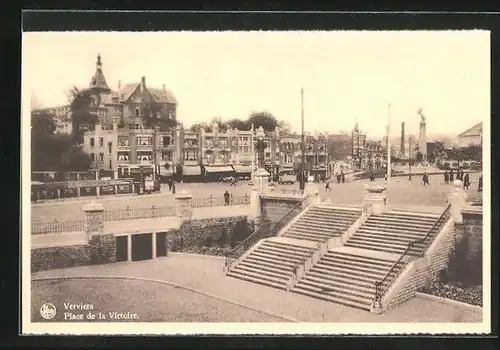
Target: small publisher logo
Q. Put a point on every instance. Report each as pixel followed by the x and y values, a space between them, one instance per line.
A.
pixel 48 311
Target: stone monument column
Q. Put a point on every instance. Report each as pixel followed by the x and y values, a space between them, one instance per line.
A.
pixel 102 246
pixel 377 198
pixel 457 199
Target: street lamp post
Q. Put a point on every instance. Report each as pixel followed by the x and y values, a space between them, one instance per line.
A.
pixel 410 154
pixel 260 147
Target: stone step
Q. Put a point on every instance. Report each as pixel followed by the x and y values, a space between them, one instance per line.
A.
pixel 395 228
pixel 362 304
pixel 338 279
pixel 338 289
pixel 286 269
pixel 286 245
pixel 382 239
pixel 334 258
pixel 353 266
pixel 308 237
pixel 311 232
pixel 267 282
pixel 370 242
pixel 261 272
pixel 423 216
pixel 359 257
pixel 333 275
pixel 259 259
pixel 372 247
pixel 285 250
pixel 318 227
pixel 390 235
pixel 327 269
pixel 270 255
pixel 383 218
pixel 330 217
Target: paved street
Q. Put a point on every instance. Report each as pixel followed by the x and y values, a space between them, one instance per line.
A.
pixel 204 274
pixel 401 192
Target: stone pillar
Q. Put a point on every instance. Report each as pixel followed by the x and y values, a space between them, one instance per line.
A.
pixel 78 192
pixel 184 203
pixel 102 246
pixel 457 199
pixel 376 198
pixel 261 180
pixel 98 191
pixel 115 189
pixel 154 244
pixel 115 174
pixel 255 208
pixel 133 188
pixel 58 191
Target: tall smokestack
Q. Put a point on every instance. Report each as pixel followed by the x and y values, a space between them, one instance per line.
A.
pixel 403 138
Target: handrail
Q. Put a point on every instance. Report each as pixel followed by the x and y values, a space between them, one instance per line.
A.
pixel 265 231
pixel 379 291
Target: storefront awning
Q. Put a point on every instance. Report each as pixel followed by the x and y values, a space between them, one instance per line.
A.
pixel 219 169
pixel 242 168
pixel 191 170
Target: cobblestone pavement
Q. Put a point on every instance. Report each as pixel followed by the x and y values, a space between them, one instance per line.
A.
pixel 202 273
pixel 400 192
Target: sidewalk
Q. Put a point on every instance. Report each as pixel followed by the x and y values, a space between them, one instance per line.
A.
pixel 205 274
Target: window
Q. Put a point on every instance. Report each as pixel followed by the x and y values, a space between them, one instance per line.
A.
pixel 123 156
pixel 167 156
pixel 92 142
pixel 110 147
pixel 170 114
pixel 101 142
pixel 144 141
pixel 92 157
pixel 137 112
pixel 101 157
pixel 110 164
pixel 166 141
pixel 123 141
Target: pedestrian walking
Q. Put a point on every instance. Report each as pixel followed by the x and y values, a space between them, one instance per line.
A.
pixel 173 186
pixel 226 198
pixel 327 186
pixel 338 178
pixel 343 178
pixel 466 181
pixel 451 176
pixel 372 176
pixel 446 177
pixel 425 178
pixel 170 184
pixel 233 182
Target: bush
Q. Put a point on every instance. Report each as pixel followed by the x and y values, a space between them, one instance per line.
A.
pixel 456 291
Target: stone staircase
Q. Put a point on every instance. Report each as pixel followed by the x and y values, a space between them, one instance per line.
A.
pixel 272 262
pixel 392 231
pixel 320 223
pixel 346 277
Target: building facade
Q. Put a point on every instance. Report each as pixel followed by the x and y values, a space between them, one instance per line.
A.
pixel 472 136
pixel 358 143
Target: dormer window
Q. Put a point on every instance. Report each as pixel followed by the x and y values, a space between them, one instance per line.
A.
pixel 137 112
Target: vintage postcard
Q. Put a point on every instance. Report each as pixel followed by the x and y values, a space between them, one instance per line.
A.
pixel 286 182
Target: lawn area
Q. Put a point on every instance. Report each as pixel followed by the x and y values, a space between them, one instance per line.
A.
pixel 152 302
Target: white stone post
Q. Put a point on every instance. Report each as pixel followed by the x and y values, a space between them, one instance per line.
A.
pixel 311 190
pixel 457 199
pixel 255 210
pixel 376 198
pixel 184 202
pixel 94 224
pixel 261 180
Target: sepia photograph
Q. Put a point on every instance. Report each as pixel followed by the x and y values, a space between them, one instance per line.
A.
pixel 256 182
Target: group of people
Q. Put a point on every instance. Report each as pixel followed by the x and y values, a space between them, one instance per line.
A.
pixel 340 178
pixel 462 176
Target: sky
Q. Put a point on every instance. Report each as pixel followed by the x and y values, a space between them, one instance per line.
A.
pixel 347 76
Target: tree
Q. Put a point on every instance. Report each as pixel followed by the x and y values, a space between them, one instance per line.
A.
pixel 264 119
pixel 82 117
pixel 197 127
pixel 419 157
pixel 239 124
pixel 75 160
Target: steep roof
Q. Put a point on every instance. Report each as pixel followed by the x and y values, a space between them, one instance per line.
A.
pixel 474 131
pixel 161 95
pixel 98 81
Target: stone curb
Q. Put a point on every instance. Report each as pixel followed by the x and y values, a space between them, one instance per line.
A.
pixel 172 284
pixel 197 255
pixel 449 301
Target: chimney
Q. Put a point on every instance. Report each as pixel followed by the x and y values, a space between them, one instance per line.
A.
pixel 403 138
pixel 119 84
pixel 164 87
pixel 143 83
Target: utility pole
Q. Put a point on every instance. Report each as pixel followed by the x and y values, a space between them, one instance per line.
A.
pixel 410 155
pixel 253 154
pixel 302 179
